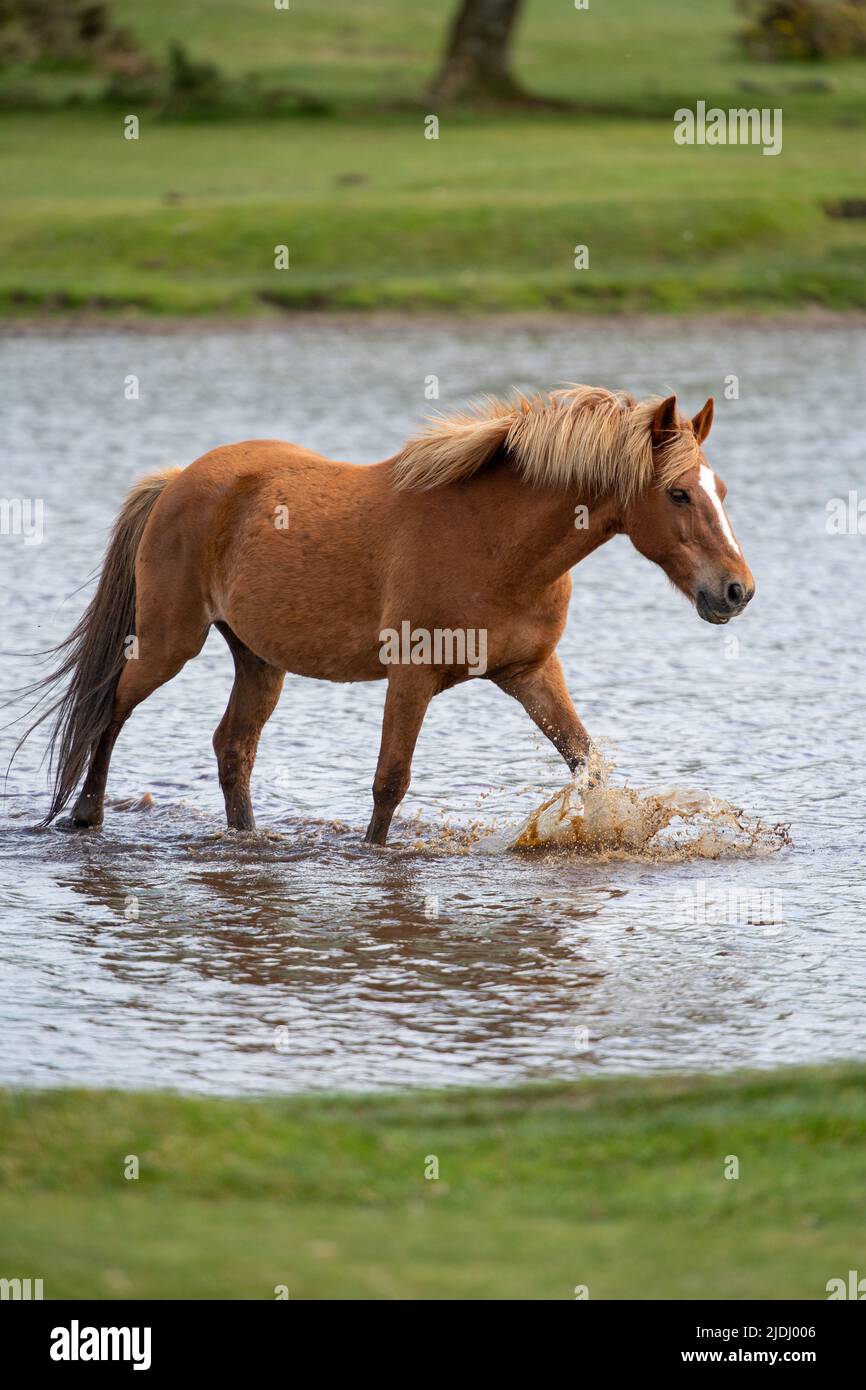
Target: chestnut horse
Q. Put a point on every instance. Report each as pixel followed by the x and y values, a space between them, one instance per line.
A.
pixel 465 539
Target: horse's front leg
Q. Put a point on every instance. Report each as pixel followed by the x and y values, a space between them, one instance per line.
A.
pixel 410 690
pixel 544 695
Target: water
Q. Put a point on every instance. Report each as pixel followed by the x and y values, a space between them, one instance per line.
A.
pixel 162 952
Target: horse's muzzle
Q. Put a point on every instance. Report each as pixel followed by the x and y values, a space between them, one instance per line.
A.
pixel 722 606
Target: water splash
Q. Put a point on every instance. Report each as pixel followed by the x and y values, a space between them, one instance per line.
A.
pixel 593 816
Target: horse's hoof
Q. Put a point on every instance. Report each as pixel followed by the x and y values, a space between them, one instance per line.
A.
pixel 74 822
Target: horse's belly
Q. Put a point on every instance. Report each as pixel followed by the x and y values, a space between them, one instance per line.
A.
pixel 316 648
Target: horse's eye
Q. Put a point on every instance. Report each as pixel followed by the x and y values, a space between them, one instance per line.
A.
pixel 680 496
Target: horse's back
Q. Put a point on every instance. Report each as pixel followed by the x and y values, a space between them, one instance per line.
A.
pixel 230 466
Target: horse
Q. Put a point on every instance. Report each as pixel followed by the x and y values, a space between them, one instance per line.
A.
pixel 391 571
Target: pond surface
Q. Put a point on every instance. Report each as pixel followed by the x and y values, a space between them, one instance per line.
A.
pixel 162 952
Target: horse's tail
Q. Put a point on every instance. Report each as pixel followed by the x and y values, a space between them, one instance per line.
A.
pixel 92 656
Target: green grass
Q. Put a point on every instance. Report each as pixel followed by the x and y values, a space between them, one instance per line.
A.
pixel 617 1185
pixel 186 219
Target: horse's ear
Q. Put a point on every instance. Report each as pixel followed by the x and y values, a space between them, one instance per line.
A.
pixel 703 421
pixel 664 422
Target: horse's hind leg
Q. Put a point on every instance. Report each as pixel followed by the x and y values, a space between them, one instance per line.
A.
pixel 89 808
pixel 254 696
pixel 166 642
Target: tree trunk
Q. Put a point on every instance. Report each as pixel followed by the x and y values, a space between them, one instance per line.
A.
pixel 475 66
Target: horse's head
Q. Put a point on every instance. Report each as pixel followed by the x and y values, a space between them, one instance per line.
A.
pixel 680 522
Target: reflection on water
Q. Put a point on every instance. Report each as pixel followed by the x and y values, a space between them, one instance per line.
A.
pixel 166 952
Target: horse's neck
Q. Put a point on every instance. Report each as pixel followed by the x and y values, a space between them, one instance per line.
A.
pixel 555 529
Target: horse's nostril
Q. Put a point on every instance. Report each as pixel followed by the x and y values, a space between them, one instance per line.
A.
pixel 735 594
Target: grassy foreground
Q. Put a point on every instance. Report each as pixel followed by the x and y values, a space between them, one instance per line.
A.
pixel 618 1185
pixel 186 219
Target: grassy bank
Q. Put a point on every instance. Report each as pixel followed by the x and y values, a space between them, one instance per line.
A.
pixel 374 216
pixel 618 1185
pixel 185 220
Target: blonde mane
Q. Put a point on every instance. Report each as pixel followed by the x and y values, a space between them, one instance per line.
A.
pixel 581 436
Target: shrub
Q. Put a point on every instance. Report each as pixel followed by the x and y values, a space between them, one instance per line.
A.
pixel 60 31
pixel 803 30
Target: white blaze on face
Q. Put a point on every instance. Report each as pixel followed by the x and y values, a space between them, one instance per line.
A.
pixel 708 483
